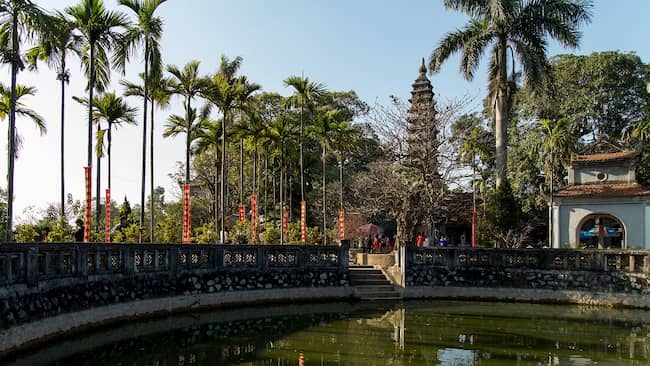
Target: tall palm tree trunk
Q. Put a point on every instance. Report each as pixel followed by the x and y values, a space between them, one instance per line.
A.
pixel 110 139
pixel 324 210
pixel 341 182
pixel 144 138
pixel 63 80
pixel 12 127
pixel 98 185
pixel 266 185
pixel 501 116
pixel 280 193
pixel 151 204
pixel 302 179
pixel 222 186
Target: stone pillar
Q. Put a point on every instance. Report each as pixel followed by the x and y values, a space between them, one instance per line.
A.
pixel 31 266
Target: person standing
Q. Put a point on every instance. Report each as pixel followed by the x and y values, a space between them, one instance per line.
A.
pixel 419 241
pixel 78 233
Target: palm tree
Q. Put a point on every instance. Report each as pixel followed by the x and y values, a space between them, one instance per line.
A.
pixel 188 84
pixel 146 32
pixel 158 91
pixel 113 110
pixel 53 48
pixel 208 140
pixel 305 94
pixel 323 131
pixel 21 19
pixel 20 109
pixel 344 136
pixel 281 132
pixel 99 30
pixel 558 141
pixel 520 26
pixel 225 91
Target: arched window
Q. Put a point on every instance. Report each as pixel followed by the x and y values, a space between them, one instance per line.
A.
pixel 602 231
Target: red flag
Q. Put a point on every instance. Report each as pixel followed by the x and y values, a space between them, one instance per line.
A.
pixel 107 217
pixel 187 215
pixel 88 176
pixel 303 221
pixel 242 214
pixel 285 220
pixel 341 224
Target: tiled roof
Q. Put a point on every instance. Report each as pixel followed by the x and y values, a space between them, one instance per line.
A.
pixel 604 190
pixel 603 157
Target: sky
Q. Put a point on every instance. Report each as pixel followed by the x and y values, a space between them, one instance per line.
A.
pixel 373 47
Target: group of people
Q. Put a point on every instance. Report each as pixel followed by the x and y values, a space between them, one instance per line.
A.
pixel 423 241
pixel 382 244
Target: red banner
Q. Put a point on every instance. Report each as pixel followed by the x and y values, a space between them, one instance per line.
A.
pixel 107 216
pixel 341 224
pixel 285 220
pixel 242 213
pixel 254 218
pixel 303 221
pixel 89 206
pixel 187 215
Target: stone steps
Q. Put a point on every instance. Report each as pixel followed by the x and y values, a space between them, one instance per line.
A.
pixel 369 283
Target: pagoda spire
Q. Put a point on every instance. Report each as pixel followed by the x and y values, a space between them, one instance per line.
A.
pixel 422 128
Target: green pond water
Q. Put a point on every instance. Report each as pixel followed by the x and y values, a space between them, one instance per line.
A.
pixel 414 333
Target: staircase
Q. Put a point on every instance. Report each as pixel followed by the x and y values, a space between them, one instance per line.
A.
pixel 369 283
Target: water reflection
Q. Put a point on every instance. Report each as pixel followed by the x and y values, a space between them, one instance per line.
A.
pixel 419 333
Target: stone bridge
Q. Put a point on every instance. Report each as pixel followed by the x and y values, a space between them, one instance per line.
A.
pixel 50 289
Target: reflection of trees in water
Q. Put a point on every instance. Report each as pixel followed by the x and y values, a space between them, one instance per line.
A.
pixel 433 333
pixel 227 343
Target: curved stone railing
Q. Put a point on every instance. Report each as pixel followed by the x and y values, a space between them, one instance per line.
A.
pixel 53 288
pixel 605 277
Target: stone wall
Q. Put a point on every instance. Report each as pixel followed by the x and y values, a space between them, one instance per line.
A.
pixel 43 281
pixel 596 271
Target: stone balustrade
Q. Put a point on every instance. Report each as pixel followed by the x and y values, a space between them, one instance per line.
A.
pixel 624 271
pixel 38 281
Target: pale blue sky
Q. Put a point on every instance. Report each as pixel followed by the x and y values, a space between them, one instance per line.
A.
pixel 371 46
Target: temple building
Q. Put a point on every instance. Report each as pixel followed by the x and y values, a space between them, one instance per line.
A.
pixel 603 205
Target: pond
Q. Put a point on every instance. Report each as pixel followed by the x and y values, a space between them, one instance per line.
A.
pixel 446 333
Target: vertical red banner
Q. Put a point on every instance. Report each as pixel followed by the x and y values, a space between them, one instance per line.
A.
pixel 285 220
pixel 89 206
pixel 303 221
pixel 341 224
pixel 242 213
pixel 187 215
pixel 107 216
pixel 254 218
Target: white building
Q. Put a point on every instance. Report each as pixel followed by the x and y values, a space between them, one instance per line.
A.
pixel 603 206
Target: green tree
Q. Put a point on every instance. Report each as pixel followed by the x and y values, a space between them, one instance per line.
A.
pixel 146 33
pixel 323 131
pixel 22 19
pixel 21 110
pixel 306 93
pixel 226 91
pixel 281 132
pixel 188 84
pixel 345 137
pixel 114 111
pixel 99 29
pixel 158 92
pixel 53 48
pixel 603 95
pixel 521 27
